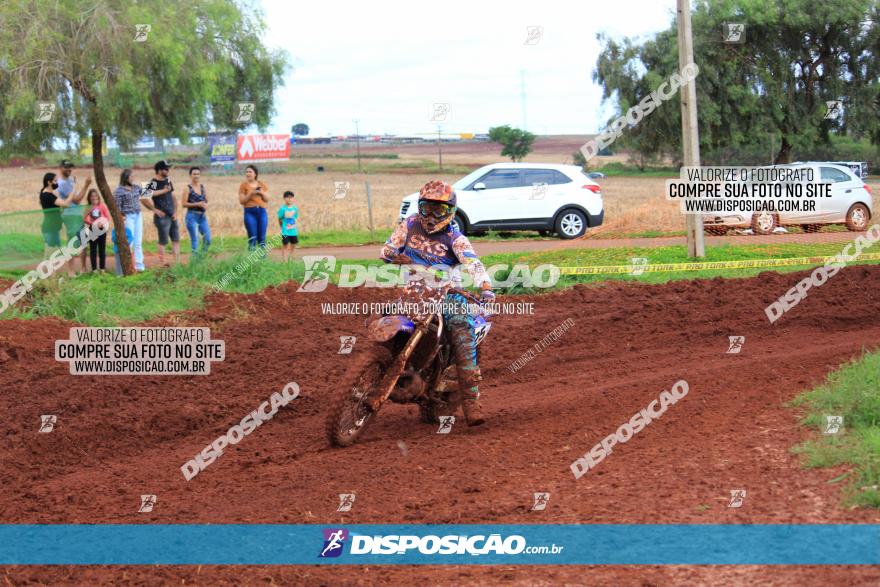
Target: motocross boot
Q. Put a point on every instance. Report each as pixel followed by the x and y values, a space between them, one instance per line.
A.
pixel 464 354
pixel 473 411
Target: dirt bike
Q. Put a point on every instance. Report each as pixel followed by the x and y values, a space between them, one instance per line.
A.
pixel 411 361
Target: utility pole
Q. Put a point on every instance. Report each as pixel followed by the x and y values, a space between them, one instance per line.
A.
pixel 357 138
pixel 370 211
pixel 439 148
pixel 690 135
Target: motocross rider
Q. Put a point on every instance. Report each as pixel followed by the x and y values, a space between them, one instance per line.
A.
pixel 430 238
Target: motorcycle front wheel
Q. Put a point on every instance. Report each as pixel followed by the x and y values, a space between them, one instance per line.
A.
pixel 350 414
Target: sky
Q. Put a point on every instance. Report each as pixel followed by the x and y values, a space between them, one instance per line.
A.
pixel 388 63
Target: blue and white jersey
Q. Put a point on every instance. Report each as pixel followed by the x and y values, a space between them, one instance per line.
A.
pixel 449 248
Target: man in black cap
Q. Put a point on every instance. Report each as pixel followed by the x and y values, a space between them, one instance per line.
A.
pixel 66 181
pixel 164 207
pixel 72 216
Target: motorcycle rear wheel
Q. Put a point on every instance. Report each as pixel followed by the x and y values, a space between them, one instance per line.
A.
pixel 350 415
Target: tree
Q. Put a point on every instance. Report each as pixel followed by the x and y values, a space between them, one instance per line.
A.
pixel 110 76
pixel 517 143
pixel 300 129
pixel 797 55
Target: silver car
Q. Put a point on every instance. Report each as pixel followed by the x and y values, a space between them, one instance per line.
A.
pixel 850 204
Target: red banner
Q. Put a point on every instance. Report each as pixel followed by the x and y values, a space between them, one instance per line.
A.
pixel 262 147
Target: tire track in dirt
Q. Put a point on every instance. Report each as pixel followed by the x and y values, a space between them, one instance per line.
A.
pixel 120 437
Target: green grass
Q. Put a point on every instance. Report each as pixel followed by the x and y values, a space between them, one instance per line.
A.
pixel 850 392
pixel 323 238
pixel 20 238
pixel 23 248
pixel 655 234
pixel 20 249
pixel 343 238
pixel 617 169
pixel 107 299
pixel 662 255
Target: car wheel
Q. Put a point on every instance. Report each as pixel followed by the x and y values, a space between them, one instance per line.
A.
pixel 571 223
pixel 764 223
pixel 716 230
pixel 811 227
pixel 857 217
pixel 462 225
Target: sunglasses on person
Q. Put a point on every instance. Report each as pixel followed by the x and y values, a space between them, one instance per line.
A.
pixel 435 209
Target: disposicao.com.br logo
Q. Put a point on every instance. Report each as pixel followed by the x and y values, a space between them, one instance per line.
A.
pixel 452 544
pixel 319 269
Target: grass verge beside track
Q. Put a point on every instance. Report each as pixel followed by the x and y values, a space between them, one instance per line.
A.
pixel 22 249
pixel 663 255
pixel 850 392
pixel 108 300
pixel 101 300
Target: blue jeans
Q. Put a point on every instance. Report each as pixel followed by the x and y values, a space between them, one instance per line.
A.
pixel 135 223
pixel 197 222
pixel 255 222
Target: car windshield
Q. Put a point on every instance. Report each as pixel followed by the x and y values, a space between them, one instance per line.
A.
pixel 468 179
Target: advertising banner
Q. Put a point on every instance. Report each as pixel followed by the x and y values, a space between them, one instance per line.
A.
pixel 222 148
pixel 252 148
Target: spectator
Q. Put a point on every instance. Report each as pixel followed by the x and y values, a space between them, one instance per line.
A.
pixel 72 216
pixel 287 217
pixel 164 207
pixel 196 204
pixel 128 199
pixel 254 195
pixel 51 202
pixel 97 215
pixel 129 236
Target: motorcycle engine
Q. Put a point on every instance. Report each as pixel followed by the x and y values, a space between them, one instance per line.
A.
pixel 409 387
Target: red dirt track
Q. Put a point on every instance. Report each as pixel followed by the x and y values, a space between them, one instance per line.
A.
pixel 119 437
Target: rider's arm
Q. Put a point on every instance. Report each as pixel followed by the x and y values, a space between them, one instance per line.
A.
pixel 466 255
pixel 395 243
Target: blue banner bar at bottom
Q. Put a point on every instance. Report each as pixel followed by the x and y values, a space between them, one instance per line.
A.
pixel 487 544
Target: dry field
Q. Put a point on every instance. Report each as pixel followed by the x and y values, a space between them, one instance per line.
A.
pixel 319 211
pixel 632 204
pixel 19 190
pixel 637 204
pixel 550 149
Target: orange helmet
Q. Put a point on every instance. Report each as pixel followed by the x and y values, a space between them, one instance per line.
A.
pixel 437 205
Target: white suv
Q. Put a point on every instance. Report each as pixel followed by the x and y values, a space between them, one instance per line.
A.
pixel 524 196
pixel 850 204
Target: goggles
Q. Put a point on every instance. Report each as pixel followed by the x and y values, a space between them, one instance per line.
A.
pixel 435 209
